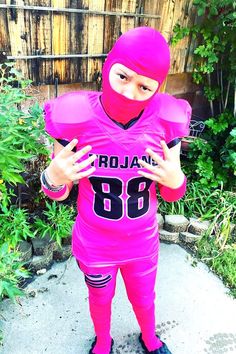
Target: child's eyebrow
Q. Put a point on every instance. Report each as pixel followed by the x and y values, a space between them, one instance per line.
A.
pixel 124 72
pixel 148 86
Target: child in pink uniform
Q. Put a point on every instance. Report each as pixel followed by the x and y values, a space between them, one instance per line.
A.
pixel 126 139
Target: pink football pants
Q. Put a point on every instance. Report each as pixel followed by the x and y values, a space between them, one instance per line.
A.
pixel 139 278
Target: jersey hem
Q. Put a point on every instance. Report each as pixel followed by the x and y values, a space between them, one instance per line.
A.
pixel 101 264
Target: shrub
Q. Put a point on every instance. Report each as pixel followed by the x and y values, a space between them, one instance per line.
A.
pixel 15 226
pixel 11 271
pixel 21 136
pixel 56 221
pixel 20 131
pixel 214 68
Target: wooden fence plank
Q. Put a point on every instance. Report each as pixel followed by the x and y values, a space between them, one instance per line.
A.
pixel 95 38
pixel 84 40
pixel 60 41
pixel 112 24
pixel 151 7
pixel 38 38
pixel 16 27
pixel 128 22
pixel 76 26
pixel 4 38
pixel 180 51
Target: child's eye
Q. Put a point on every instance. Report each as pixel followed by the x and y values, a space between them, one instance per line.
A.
pixel 122 77
pixel 144 88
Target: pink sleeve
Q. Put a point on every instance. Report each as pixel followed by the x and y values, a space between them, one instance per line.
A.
pixel 172 195
pixel 54 195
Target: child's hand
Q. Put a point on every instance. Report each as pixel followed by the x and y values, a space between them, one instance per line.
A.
pixel 168 172
pixel 65 168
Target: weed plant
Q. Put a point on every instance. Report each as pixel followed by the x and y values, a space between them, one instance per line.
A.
pixel 20 135
pixel 56 221
pixel 11 272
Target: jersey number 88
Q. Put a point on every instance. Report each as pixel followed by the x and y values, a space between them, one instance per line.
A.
pixel 110 205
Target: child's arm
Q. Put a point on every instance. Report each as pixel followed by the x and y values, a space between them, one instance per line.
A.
pixel 57 180
pixel 168 174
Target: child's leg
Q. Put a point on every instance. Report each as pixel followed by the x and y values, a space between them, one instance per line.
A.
pixel 101 286
pixel 139 278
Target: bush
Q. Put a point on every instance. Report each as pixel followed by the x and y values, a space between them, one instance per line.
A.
pixel 11 271
pixel 222 262
pixel 15 226
pixel 56 221
pixel 217 248
pixel 20 134
pixel 214 68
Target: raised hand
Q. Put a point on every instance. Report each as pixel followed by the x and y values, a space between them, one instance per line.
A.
pixel 168 170
pixel 66 168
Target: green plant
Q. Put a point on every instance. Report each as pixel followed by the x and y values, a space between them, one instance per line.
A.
pixel 20 131
pixel 222 262
pixel 215 69
pixel 11 272
pixel 222 219
pixel 15 226
pixel 214 162
pixel 57 221
pixel 217 248
pixel 199 201
pixel 216 205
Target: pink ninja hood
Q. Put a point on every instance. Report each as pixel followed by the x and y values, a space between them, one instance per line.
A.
pixel 143 50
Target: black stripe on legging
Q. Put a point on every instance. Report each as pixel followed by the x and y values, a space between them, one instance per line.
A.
pixel 98 282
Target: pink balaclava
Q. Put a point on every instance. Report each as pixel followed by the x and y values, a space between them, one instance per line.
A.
pixel 143 50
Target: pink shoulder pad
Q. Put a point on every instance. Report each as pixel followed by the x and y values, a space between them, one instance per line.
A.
pixel 174 115
pixel 63 112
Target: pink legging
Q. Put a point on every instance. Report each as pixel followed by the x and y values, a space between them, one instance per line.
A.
pixel 139 278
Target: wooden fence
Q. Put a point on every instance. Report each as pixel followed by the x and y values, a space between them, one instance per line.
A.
pixel 67 40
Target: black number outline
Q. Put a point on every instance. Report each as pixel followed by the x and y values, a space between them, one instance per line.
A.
pixel 124 191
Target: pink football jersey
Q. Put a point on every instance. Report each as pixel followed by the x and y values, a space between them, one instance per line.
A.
pixel 117 207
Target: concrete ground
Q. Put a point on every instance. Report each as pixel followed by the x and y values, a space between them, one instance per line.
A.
pixel 194 313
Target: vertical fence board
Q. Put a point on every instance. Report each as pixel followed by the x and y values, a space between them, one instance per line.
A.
pixel 4 39
pixel 112 24
pixel 151 7
pixel 176 51
pixel 192 43
pixel 16 28
pixel 95 38
pixel 60 40
pixel 76 41
pixel 179 52
pixel 128 22
pixel 37 34
pixel 84 41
